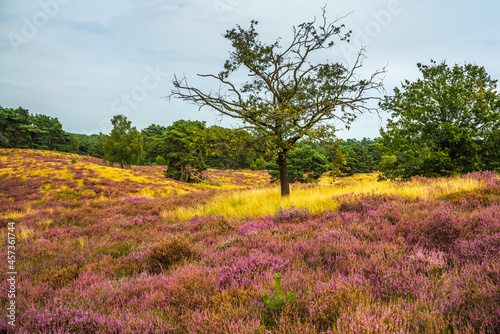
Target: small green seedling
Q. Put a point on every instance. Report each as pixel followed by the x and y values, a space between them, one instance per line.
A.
pixel 275 304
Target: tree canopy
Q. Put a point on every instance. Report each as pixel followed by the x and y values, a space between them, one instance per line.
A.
pixel 226 148
pixel 444 123
pixel 151 136
pixel 361 156
pixel 124 144
pixel 183 156
pixel 49 134
pixel 305 165
pixel 15 127
pixel 287 97
pixel 20 129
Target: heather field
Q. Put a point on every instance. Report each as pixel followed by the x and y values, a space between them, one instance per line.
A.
pixel 105 250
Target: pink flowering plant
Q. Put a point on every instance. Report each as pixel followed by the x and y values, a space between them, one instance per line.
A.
pixel 113 260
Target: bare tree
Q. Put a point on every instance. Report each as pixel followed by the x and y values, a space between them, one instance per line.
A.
pixel 287 98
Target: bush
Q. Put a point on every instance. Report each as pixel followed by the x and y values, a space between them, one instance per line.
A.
pixel 276 303
pixel 258 164
pixel 305 165
pixel 389 165
pixel 166 253
pixel 160 161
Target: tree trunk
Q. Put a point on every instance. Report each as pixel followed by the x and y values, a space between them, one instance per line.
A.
pixel 121 163
pixel 183 173
pixel 284 180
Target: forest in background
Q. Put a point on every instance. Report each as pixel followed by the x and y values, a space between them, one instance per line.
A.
pixel 193 143
pixel 446 123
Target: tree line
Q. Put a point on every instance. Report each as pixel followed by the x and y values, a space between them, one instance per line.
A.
pixel 186 146
pixel 21 129
pixel 446 123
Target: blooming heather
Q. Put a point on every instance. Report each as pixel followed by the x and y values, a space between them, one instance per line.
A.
pixel 374 262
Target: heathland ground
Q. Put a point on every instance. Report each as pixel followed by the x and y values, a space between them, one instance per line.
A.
pixel 101 249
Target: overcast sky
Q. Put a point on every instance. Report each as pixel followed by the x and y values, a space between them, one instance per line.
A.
pixel 85 61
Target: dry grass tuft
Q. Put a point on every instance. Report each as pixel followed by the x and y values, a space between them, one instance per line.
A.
pixel 166 253
pixel 322 197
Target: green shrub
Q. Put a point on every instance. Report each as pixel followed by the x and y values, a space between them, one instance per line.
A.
pixel 305 165
pixel 275 304
pixel 258 164
pixel 160 161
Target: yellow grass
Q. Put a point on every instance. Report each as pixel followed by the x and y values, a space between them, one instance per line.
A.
pixel 322 197
pixel 149 183
pixel 45 224
pixel 118 174
pixel 82 241
pixel 154 193
pixel 16 215
pixel 26 233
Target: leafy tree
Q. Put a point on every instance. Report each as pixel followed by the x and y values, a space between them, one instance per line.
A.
pixel 160 161
pixel 16 129
pixel 99 145
pixel 287 97
pixel 151 135
pixel 388 164
pixel 20 129
pixel 490 151
pixel 7 119
pixel 88 145
pixel 258 164
pixel 305 165
pixel 332 150
pixel 373 151
pixel 225 148
pixel 49 135
pixel 336 158
pixel 72 143
pixel 153 131
pixel 184 156
pixel 350 160
pixel 124 144
pixel 358 159
pixel 442 124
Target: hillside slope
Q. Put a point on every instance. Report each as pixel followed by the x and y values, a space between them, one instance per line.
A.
pixel 416 257
pixel 33 179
